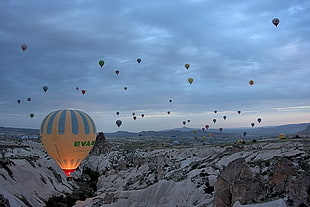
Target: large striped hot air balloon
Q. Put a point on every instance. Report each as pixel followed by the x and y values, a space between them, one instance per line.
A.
pixel 68 136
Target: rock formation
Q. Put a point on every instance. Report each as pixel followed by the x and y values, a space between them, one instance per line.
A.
pixel 101 145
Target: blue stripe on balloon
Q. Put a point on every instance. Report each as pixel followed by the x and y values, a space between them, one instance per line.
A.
pixel 86 125
pixel 43 123
pixel 50 122
pixel 62 122
pixel 93 124
pixel 74 123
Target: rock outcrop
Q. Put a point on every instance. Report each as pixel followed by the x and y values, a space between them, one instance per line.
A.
pixel 237 183
pixel 101 145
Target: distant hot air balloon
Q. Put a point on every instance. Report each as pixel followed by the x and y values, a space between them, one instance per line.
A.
pixel 188 121
pixel 68 136
pixel 259 120
pixel 45 88
pixel 203 129
pixel 224 117
pixel 133 113
pixel 125 88
pixel 168 112
pixel 252 124
pixel 118 123
pixel 24 47
pixel 207 126
pixel 187 66
pixel 239 112
pixel 215 111
pixel 170 101
pixel 139 60
pixel 134 118
pixel 101 63
pixel 18 101
pixel 31 115
pixel 28 99
pixel 184 122
pixel 244 134
pixel 282 136
pixel 83 92
pixel 190 80
pixel 117 72
pixel 117 113
pixel 214 120
pixel 142 115
pixel 77 88
pixel 221 129
pixel 251 82
pixel 275 21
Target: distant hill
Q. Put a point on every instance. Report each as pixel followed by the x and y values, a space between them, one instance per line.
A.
pixel 289 129
pixel 18 132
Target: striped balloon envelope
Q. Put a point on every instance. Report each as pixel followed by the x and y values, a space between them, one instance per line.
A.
pixel 68 136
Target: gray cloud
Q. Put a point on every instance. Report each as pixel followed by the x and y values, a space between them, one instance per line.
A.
pixel 226 43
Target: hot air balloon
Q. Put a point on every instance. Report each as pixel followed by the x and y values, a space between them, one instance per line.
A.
pixel 18 101
pixel 239 112
pixel 190 80
pixel 203 129
pixel 118 123
pixel 215 111
pixel 24 47
pixel 214 120
pixel 134 118
pixel 252 124
pixel 77 88
pixel 117 113
pixel 275 21
pixel 244 134
pixel 68 136
pixel 45 88
pixel 184 122
pixel 221 129
pixel 282 136
pixel 139 60
pixel 170 101
pixel 251 82
pixel 224 117
pixel 101 63
pixel 117 72
pixel 142 115
pixel 259 120
pixel 125 88
pixel 31 115
pixel 207 126
pixel 133 113
pixel 187 66
pixel 28 99
pixel 168 112
pixel 83 92
pixel 188 121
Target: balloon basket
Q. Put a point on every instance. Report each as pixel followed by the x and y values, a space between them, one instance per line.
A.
pixel 70 178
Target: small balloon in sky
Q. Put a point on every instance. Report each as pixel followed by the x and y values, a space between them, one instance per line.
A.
pixel 190 80
pixel 275 21
pixel 24 47
pixel 187 66
pixel 139 60
pixel 83 92
pixel 101 62
pixel 251 82
pixel 45 88
pixel 118 123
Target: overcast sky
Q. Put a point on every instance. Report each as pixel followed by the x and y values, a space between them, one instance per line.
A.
pixel 227 44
